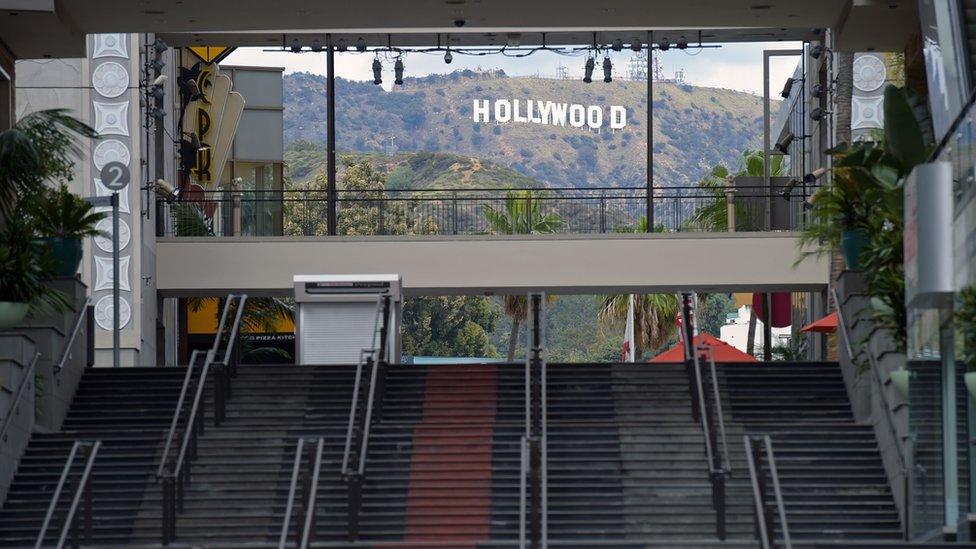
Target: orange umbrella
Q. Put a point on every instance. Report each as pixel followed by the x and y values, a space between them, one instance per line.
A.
pixel 723 351
pixel 826 324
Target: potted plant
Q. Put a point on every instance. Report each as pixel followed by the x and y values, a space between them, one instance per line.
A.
pixel 62 219
pixel 965 320
pixel 25 269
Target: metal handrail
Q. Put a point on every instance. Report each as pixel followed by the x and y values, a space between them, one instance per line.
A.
pixel 719 413
pixel 306 529
pixel 361 417
pixel 82 489
pixel 764 531
pixel 21 390
pixel 179 406
pixel 903 458
pixel 177 476
pixel 523 487
pixel 365 356
pixel 74 333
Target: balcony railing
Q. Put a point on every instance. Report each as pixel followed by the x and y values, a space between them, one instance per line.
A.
pixel 476 211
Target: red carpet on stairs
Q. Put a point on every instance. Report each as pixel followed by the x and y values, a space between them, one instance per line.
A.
pixel 449 498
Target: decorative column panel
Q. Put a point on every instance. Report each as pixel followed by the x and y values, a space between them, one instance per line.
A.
pixel 115 111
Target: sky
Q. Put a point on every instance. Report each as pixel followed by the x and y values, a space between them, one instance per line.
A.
pixel 734 66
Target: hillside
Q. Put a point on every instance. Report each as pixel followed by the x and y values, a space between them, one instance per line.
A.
pixel 694 128
pixel 415 170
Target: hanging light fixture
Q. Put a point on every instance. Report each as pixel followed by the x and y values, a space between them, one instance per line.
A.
pixel 398 72
pixel 682 43
pixel 316 46
pixel 361 45
pixel 447 56
pixel 296 46
pixel 618 45
pixel 341 46
pixel 588 70
pixel 635 45
pixel 607 70
pixel 377 71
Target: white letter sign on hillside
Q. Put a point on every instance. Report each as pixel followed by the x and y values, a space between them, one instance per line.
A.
pixel 548 113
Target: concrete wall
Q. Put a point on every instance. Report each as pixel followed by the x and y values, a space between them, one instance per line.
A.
pixel 870 391
pixel 584 264
pixel 16 353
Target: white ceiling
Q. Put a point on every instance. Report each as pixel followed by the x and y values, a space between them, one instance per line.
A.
pixel 39 32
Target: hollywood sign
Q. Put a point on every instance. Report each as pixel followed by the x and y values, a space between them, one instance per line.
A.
pixel 548 113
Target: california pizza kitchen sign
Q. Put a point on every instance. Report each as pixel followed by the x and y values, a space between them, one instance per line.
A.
pixel 549 113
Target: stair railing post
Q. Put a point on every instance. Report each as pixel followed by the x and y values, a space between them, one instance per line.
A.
pixel 688 337
pixel 88 508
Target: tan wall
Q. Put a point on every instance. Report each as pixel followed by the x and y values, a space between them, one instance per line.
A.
pixel 476 265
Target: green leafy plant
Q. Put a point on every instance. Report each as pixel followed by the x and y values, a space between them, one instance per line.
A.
pixel 867 194
pixel 61 213
pixel 25 266
pixel 965 321
pixel 42 146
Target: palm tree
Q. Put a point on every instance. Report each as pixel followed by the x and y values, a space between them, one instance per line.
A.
pixel 713 216
pixel 520 214
pixel 41 146
pixel 654 317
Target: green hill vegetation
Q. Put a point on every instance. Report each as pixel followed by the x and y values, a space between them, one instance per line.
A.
pixel 695 128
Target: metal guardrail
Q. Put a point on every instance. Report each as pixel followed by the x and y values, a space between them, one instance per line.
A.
pixel 82 316
pixel 174 473
pixel 82 496
pixel 461 211
pixel 534 470
pixel 305 523
pixel 361 413
pixel 26 384
pixel 756 446
pixel 706 409
pixel 904 459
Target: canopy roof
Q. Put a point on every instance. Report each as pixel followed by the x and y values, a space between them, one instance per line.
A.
pixel 723 351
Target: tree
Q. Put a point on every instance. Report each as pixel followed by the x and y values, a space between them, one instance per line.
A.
pixel 713 215
pixel 449 326
pixel 654 318
pixel 520 214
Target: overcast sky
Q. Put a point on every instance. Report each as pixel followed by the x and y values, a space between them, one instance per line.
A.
pixel 734 66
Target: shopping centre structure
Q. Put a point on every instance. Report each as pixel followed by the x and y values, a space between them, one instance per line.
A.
pixel 861 438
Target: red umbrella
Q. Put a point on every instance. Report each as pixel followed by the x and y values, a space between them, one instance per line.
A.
pixel 723 351
pixel 826 324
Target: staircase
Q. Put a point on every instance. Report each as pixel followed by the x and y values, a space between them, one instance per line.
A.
pixel 834 485
pixel 626 463
pixel 129 410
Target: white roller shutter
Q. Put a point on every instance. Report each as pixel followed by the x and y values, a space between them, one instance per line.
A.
pixel 336 332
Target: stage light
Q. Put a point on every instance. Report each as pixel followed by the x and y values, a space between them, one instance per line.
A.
pixel 817 50
pixel 316 46
pixel 618 45
pixel 607 70
pixel 682 43
pixel 160 80
pixel 818 91
pixel 159 46
pixel 813 176
pixel 157 65
pixel 787 88
pixel 377 71
pixel 296 46
pixel 157 91
pixel 588 70
pixel 448 57
pixel 341 46
pixel 783 145
pixel 635 45
pixel 818 114
pixel 398 72
pixel 664 45
pixel 361 45
pixel 157 113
